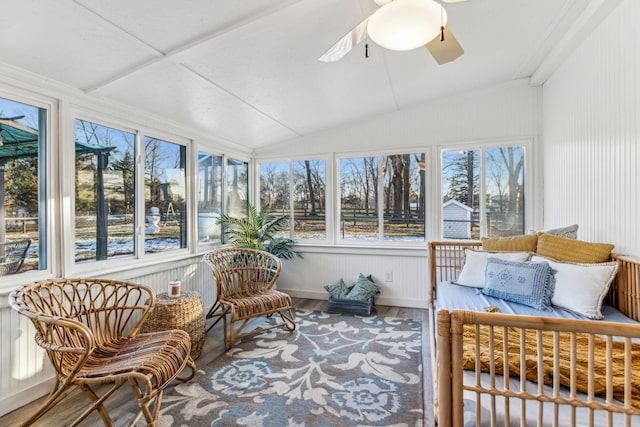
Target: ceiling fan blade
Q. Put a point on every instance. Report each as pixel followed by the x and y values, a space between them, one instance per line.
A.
pixel 383 2
pixel 346 43
pixel 453 1
pixel 446 50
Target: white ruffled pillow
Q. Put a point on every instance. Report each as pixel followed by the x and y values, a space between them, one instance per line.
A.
pixel 475 264
pixel 581 288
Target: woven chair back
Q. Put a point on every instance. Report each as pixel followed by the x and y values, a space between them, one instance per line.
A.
pixel 82 313
pixel 240 271
pixel 12 255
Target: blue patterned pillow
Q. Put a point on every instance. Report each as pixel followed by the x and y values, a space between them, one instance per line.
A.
pixel 363 289
pixel 337 289
pixel 527 283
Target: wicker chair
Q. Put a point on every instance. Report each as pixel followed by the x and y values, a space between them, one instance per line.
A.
pixel 89 329
pixel 245 280
pixel 12 255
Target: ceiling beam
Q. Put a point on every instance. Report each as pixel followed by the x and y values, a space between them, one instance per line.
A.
pixel 592 16
pixel 161 56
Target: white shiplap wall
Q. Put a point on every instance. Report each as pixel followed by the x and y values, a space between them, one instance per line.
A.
pixel 408 285
pixel 591 129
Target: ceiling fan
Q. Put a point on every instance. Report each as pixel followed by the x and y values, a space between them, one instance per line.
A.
pixel 403 25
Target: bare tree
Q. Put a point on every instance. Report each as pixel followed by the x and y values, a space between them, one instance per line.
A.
pixel 312 198
pixel 421 195
pixel 496 173
pixel 274 186
pixel 513 166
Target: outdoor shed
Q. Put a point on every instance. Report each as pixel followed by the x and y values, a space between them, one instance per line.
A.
pixel 457 220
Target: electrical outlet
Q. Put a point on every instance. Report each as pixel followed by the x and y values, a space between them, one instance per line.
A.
pixel 388 276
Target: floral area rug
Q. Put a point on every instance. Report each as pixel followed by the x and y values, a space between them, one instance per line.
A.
pixel 334 370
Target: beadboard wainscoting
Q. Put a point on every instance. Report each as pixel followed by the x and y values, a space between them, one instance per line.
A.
pixel 401 274
pixel 26 371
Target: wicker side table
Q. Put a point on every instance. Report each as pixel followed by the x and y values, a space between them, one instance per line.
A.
pixel 185 312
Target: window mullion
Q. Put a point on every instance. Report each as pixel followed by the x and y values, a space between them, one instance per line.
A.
pixel 483 197
pixel 380 201
pixel 139 208
pixel 291 204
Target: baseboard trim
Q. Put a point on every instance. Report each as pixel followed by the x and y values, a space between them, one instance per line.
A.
pixel 25 396
pixel 381 300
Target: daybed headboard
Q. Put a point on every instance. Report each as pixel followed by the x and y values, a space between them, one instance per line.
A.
pixel 447 258
pixel 624 293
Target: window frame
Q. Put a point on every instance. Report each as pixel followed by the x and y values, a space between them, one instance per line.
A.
pixel 49 201
pixel 195 217
pixel 141 251
pixel 380 241
pixel 527 144
pixel 139 258
pixel 329 211
pixel 136 178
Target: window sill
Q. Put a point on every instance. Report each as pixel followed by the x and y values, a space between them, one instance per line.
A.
pixel 133 268
pixel 417 250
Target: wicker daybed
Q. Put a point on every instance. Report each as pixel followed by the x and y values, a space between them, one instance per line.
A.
pixel 561 356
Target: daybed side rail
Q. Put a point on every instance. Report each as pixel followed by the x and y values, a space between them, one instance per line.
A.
pixel 442 400
pixel 624 293
pixel 446 260
pixel 610 359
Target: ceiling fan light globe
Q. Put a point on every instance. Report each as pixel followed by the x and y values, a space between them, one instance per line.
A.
pixel 406 24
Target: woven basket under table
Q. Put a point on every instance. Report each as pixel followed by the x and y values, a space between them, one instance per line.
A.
pixel 185 312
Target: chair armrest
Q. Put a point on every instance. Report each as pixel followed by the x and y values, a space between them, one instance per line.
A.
pixel 77 340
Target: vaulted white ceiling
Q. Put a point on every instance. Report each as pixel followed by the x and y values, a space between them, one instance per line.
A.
pixel 247 70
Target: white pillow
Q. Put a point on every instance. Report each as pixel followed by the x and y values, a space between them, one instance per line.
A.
pixel 581 288
pixel 475 263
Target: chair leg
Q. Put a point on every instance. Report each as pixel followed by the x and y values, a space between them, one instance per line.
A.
pixel 212 314
pixel 97 404
pixel 288 318
pixel 94 397
pixel 192 365
pixel 229 336
pixel 145 402
pixel 57 393
pixel 151 417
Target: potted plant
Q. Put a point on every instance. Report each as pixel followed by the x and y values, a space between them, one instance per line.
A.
pixel 258 231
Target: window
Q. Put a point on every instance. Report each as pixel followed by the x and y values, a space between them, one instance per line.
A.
pixel 106 179
pixel 237 188
pixel 209 197
pixel 483 192
pixel 309 199
pixel 404 197
pixel 359 198
pixel 274 189
pixel 301 183
pixel 165 195
pixel 397 201
pixel 23 214
pixel 104 192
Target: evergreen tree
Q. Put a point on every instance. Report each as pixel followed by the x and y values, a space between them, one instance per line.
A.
pixel 22 185
pixel 463 173
pixel 126 166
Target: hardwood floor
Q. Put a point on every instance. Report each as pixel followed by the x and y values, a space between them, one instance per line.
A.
pixel 122 406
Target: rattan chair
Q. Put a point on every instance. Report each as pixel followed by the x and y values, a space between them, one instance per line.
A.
pixel 89 329
pixel 12 255
pixel 245 279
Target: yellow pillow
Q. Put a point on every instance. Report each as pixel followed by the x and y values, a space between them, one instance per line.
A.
pixel 524 243
pixel 572 250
